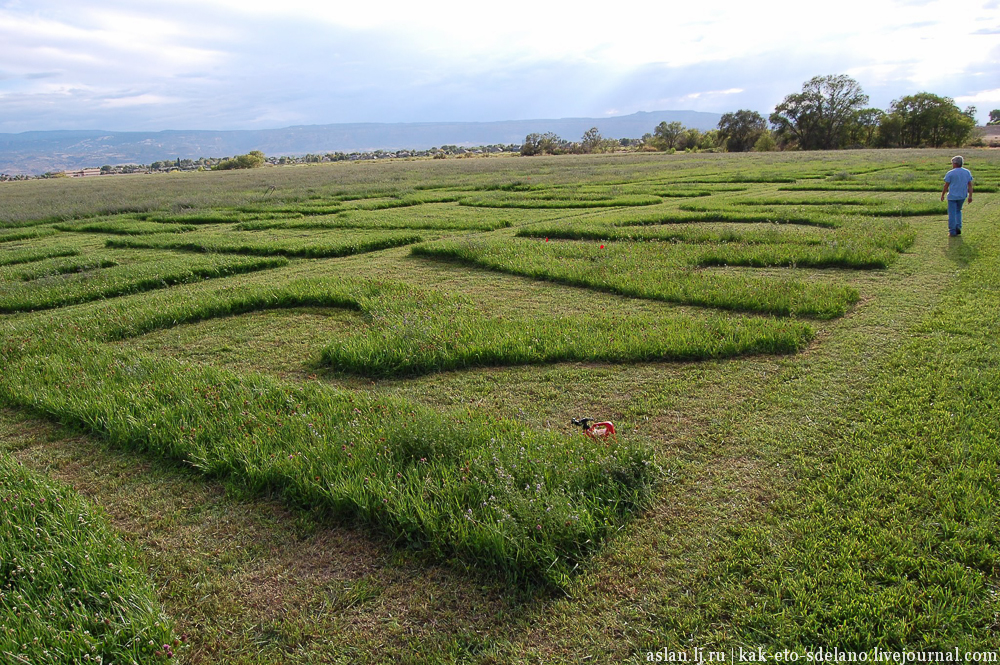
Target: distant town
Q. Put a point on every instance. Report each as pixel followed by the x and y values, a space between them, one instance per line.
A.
pixel 209 163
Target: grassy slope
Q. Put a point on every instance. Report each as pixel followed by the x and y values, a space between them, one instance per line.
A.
pixel 772 463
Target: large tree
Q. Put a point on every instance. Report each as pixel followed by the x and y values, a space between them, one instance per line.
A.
pixel 540 144
pixel 927 120
pixel 739 131
pixel 864 129
pixel 665 134
pixel 820 117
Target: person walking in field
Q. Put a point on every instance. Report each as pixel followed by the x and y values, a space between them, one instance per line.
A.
pixel 957 186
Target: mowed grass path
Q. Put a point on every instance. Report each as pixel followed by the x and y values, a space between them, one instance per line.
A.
pixel 772 479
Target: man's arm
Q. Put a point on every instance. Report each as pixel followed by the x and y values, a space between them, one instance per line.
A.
pixel 970 191
pixel 945 190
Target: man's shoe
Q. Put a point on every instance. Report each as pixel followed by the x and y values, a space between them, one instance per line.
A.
pixel 958 232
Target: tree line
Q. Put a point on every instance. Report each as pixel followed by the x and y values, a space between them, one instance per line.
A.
pixel 830 113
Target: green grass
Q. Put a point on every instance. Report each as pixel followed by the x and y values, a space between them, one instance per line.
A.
pixel 31 255
pixel 69 287
pixel 430 216
pixel 692 214
pixel 124 227
pixel 776 482
pixel 53 267
pixel 647 270
pixel 694 233
pixel 544 201
pixel 70 590
pixel 30 234
pixel 414 333
pixel 877 187
pixel 526 505
pixel 893 533
pixel 274 243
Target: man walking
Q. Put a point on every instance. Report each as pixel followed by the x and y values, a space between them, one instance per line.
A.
pixel 957 185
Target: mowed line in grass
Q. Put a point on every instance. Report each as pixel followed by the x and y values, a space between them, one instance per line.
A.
pixel 29 234
pixel 646 270
pixel 525 505
pixel 860 236
pixel 70 584
pixel 406 331
pixel 32 254
pixel 72 286
pixel 304 245
pixel 53 267
pixel 124 227
pixel 891 536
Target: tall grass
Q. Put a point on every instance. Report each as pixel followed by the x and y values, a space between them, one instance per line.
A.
pixel 124 227
pixel 70 590
pixel 413 332
pixel 691 214
pixel 29 234
pixel 646 270
pixel 54 267
pixel 550 200
pixel 343 243
pixel 526 505
pixel 430 216
pixel 69 288
pixel 695 233
pixel 30 254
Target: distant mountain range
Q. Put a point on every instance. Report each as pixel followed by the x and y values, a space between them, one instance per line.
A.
pixel 34 153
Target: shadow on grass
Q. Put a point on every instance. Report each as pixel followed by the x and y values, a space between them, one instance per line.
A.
pixel 960 252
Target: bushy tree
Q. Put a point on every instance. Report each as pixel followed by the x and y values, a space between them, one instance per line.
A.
pixel 994 117
pixel 864 129
pixel 739 131
pixel 541 144
pixel 252 160
pixel 927 120
pixel 765 143
pixel 819 117
pixel 689 139
pixel 665 135
pixel 592 141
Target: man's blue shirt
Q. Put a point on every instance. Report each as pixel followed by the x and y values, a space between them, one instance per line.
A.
pixel 958 183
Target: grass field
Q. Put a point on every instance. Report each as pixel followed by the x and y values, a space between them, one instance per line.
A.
pixel 322 414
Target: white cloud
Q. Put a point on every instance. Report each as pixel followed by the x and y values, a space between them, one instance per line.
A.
pixel 136 100
pixel 253 63
pixel 981 97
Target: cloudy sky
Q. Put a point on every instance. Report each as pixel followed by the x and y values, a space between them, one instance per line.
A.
pixel 253 64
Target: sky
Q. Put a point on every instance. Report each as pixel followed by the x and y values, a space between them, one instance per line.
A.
pixel 138 65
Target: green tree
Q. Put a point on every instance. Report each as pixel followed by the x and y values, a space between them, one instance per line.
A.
pixel 994 117
pixel 689 139
pixel 864 129
pixel 592 141
pixel 927 120
pixel 665 134
pixel 540 144
pixel 252 160
pixel 739 131
pixel 765 143
pixel 819 117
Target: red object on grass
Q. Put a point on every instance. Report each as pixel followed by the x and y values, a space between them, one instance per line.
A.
pixel 601 430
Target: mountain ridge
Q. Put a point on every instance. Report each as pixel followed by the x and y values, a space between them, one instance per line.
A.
pixel 36 152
